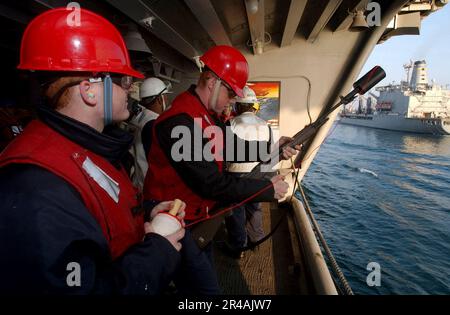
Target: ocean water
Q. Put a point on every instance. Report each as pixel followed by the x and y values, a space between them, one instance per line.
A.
pixel 382 196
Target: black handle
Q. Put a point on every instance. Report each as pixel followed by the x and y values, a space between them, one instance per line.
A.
pixel 369 80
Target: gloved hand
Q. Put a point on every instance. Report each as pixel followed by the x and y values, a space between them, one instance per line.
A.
pixel 166 206
pixel 166 223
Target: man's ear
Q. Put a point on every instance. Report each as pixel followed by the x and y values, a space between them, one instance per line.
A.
pixel 88 93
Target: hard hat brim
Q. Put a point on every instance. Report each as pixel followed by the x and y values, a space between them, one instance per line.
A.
pixel 239 92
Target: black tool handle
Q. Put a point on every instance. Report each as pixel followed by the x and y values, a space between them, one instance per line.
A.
pixel 369 80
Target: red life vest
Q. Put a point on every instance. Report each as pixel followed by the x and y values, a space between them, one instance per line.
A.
pixel 42 146
pixel 162 181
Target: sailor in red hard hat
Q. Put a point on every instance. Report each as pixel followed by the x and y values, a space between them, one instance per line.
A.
pixel 198 180
pixel 71 221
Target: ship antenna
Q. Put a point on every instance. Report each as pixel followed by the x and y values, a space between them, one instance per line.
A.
pixel 407 68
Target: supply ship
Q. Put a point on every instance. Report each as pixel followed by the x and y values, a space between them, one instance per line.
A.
pixel 313 49
pixel 414 105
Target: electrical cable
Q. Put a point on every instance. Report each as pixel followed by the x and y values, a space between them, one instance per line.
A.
pixel 308 95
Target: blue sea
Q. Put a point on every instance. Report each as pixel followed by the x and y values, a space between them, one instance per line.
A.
pixel 383 196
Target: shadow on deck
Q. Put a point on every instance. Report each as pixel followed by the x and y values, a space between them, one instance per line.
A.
pixel 274 268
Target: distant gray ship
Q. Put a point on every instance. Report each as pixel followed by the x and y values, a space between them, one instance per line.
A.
pixel 413 105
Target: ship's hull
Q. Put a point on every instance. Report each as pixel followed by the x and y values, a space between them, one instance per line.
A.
pixel 399 123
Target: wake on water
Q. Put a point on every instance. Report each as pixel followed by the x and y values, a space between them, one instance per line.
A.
pixel 363 170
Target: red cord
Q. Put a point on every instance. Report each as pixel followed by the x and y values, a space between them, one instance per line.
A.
pixel 234 206
pixel 209 217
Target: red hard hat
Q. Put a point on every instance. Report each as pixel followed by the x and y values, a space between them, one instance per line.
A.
pixel 53 42
pixel 229 65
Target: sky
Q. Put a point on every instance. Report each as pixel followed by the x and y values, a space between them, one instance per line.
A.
pixel 432 45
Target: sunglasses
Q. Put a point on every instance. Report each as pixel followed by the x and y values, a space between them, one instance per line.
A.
pixel 124 81
pixel 231 93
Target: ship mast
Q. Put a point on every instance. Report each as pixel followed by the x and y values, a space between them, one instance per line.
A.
pixel 408 67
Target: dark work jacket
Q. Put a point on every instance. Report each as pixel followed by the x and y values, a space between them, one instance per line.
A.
pixel 45 226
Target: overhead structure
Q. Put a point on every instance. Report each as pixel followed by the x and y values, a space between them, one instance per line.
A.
pixel 296 10
pixel 143 14
pixel 208 18
pixel 329 8
pixel 256 14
